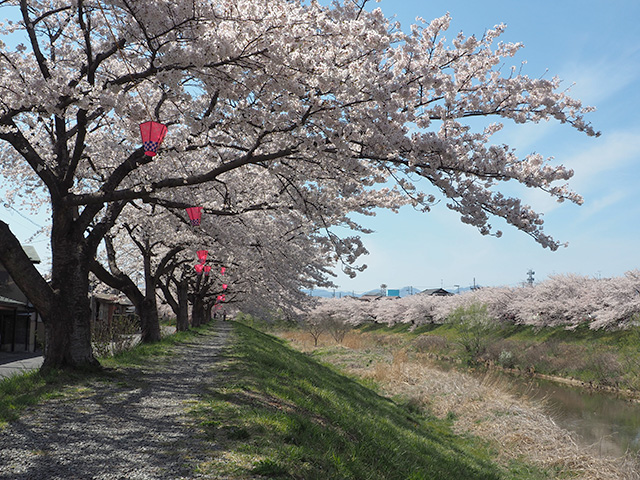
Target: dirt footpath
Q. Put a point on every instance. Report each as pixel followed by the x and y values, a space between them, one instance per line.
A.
pixel 130 426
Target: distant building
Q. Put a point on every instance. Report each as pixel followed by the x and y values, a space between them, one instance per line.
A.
pixel 436 292
pixel 21 328
pixel 369 296
pixel 106 307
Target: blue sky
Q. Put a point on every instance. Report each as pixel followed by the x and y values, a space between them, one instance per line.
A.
pixel 594 44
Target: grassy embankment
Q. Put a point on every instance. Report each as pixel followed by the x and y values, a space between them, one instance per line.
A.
pixel 278 413
pixel 396 360
pixel 270 411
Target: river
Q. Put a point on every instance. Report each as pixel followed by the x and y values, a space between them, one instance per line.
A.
pixel 609 422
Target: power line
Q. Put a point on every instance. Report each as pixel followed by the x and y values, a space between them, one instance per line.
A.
pixel 10 207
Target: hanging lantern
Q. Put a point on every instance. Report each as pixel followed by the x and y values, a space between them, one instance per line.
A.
pixel 202 255
pixel 221 298
pixel 224 286
pixel 222 270
pixel 195 214
pixel 152 135
pixel 207 270
pixel 199 267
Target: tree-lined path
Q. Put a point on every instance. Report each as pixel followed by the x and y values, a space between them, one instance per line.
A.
pixel 134 427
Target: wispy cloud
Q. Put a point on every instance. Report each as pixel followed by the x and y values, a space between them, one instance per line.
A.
pixel 615 151
pixel 599 79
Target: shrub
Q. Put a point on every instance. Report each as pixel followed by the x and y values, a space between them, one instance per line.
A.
pixel 506 359
pixel 607 368
pixel 116 337
pixel 431 344
pixel 475 328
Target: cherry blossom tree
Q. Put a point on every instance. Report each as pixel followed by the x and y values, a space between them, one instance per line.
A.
pixel 154 255
pixel 316 108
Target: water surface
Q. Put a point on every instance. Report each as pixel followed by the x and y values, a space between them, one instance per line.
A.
pixel 609 422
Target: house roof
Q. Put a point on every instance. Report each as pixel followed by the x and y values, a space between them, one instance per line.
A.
pixel 111 298
pixel 31 253
pixel 11 302
pixel 436 292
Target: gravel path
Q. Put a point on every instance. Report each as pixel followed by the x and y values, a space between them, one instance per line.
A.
pixel 135 427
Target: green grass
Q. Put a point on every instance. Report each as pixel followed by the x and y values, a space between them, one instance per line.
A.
pixel 144 351
pixel 23 390
pixel 277 413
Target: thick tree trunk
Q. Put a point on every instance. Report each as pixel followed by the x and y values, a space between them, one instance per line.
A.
pixel 182 320
pixel 68 326
pixel 208 312
pixel 197 311
pixel 149 322
pixel 68 333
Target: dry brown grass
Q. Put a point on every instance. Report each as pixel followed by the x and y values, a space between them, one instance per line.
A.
pixel 484 408
pixel 487 409
pixel 353 340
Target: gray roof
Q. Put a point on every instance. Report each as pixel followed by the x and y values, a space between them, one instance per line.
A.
pixel 11 301
pixel 436 292
pixel 31 253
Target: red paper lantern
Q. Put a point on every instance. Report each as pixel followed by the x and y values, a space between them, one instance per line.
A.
pixel 195 214
pixel 224 286
pixel 222 270
pixel 202 255
pixel 207 269
pixel 152 135
pixel 199 268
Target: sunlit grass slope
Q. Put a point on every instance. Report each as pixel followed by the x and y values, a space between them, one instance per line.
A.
pixel 276 412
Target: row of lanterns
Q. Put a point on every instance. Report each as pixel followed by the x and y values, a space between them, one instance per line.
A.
pixel 201 267
pixel 153 134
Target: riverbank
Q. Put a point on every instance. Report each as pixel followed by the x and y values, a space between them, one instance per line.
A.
pixel 517 427
pixel 230 402
pixel 280 414
pixel 604 360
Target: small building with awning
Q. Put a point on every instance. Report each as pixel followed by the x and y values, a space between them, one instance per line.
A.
pixel 21 328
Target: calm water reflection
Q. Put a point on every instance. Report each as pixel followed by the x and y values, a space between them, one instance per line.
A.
pixel 611 424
